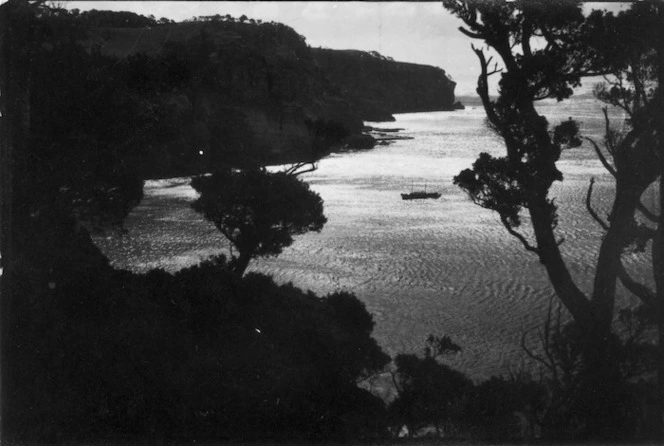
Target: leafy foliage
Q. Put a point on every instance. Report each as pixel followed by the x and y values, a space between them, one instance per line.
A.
pixel 544 52
pixel 92 118
pixel 257 211
pixel 114 19
pixel 91 353
pixel 492 185
pixel 196 355
pixel 429 393
pixel 521 179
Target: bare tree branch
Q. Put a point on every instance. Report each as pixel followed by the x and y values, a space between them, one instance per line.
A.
pixel 601 157
pixel 638 289
pixel 549 361
pixel 519 236
pixel 294 170
pixel 483 87
pixel 590 209
pixel 610 143
pixel 624 104
pixel 611 148
pixel 395 382
pixel 530 353
pixel 526 32
pixel 650 215
pixel 471 34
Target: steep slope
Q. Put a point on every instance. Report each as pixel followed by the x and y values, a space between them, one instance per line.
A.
pixel 377 86
pixel 254 94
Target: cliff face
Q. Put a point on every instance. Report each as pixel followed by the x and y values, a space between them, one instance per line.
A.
pixel 256 93
pixel 377 86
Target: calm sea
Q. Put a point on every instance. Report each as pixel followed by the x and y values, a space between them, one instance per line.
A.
pixel 442 267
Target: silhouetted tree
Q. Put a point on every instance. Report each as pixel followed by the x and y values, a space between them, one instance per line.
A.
pixel 116 19
pixel 632 46
pixel 90 353
pixel 72 133
pixel 429 393
pixel 257 211
pixel 567 402
pixel 522 179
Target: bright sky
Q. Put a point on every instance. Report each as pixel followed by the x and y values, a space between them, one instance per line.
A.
pixel 418 32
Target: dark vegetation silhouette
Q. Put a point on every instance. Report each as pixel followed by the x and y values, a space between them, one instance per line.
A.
pixel 429 393
pixel 90 353
pixel 93 353
pixel 244 94
pixel 435 400
pixel 115 19
pixel 633 155
pixel 258 211
pixel 565 404
pixel 572 47
pixel 198 355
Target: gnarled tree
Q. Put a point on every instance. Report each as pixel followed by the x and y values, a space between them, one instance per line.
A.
pixel 259 212
pixel 521 180
pixel 632 44
pixel 545 50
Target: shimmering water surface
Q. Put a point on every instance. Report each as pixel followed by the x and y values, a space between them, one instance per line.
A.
pixel 431 266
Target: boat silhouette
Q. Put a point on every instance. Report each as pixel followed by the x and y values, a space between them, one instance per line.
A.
pixel 419 195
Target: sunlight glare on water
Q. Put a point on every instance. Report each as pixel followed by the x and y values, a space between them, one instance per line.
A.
pixel 430 266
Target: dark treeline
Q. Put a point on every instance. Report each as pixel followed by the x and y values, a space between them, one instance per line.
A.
pixel 93 353
pixel 197 94
pixel 90 352
pixel 595 361
pixel 192 356
pixel 114 19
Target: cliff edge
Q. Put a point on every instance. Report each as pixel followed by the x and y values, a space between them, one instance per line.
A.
pixel 378 86
pixel 255 93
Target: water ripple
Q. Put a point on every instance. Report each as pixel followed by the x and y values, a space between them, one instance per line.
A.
pixel 432 266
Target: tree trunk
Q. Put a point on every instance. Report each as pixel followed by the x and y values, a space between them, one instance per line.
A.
pixel 568 292
pixel 658 243
pixel 608 263
pixel 549 253
pixel 241 263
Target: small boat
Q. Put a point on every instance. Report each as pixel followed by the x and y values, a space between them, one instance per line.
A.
pixel 420 195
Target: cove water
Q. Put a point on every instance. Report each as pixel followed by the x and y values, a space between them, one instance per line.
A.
pixel 442 267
